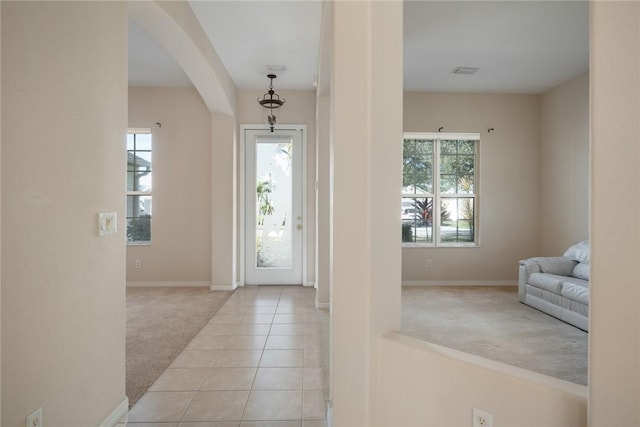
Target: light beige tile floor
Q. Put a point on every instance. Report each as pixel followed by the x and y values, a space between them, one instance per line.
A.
pixel 261 361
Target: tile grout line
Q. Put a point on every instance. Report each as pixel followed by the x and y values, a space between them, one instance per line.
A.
pixel 202 382
pixel 293 303
pixel 244 409
pixel 200 387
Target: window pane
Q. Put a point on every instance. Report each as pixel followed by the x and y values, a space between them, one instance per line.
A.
pixel 467 147
pixel 143 141
pixel 130 181
pixel 465 165
pixel 458 220
pixel 448 147
pixel 142 181
pixel 143 160
pixel 448 184
pixel 138 170
pixel 138 206
pixel 129 141
pixel 465 184
pixel 131 163
pixel 417 171
pixel 139 229
pixel 417 224
pixel 448 163
pixel 138 218
pixel 457 167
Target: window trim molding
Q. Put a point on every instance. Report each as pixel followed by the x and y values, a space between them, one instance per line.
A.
pixel 439 135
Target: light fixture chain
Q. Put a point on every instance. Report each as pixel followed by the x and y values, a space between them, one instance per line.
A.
pixel 271 100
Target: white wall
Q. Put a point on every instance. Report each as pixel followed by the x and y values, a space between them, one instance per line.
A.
pixel 224 268
pixel 564 166
pixel 440 387
pixel 299 109
pixel 323 201
pixel 0 215
pixel 174 26
pixel 64 116
pixel 614 331
pixel 180 251
pixel 509 183
pixel 366 159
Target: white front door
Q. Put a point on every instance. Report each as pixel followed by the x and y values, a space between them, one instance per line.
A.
pixel 273 206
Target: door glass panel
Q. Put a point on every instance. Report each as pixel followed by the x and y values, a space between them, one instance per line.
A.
pixel 274 244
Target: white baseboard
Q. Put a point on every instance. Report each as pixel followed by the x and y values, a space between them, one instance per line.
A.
pixel 460 283
pixel 323 305
pixel 231 287
pixel 117 414
pixel 134 284
pixel 309 284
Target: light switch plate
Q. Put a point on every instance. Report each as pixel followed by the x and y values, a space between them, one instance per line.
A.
pixel 107 223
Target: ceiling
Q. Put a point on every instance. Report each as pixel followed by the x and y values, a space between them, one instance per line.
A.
pixel 518 46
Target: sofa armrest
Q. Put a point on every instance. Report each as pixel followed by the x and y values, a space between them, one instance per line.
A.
pixel 560 266
pixel 531 264
pixel 525 269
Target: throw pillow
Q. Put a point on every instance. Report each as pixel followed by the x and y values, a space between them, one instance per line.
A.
pixel 581 271
pixel 579 252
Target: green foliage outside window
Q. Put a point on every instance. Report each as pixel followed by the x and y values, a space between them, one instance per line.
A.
pixel 139 229
pixel 407 233
pixel 263 189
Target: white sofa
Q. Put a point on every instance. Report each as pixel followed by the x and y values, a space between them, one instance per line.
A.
pixel 558 286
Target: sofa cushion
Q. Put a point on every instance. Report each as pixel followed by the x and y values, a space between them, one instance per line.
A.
pixel 576 281
pixel 576 292
pixel 579 252
pixel 546 281
pixel 581 271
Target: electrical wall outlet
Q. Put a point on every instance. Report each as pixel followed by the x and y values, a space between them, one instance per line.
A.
pixel 429 263
pixel 138 263
pixel 35 419
pixel 481 418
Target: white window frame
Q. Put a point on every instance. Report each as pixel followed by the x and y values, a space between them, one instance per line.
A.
pixel 139 131
pixel 437 196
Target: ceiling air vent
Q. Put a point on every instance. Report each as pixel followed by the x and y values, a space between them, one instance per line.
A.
pixel 464 70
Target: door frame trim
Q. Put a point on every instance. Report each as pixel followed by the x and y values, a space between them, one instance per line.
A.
pixel 241 200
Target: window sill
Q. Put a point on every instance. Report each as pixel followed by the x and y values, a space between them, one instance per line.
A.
pixel 441 246
pixel 138 243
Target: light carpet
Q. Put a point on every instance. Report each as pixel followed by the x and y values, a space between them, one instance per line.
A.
pixel 489 321
pixel 161 321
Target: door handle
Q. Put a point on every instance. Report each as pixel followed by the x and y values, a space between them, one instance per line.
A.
pixel 299 227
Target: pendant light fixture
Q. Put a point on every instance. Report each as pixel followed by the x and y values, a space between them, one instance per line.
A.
pixel 271 100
